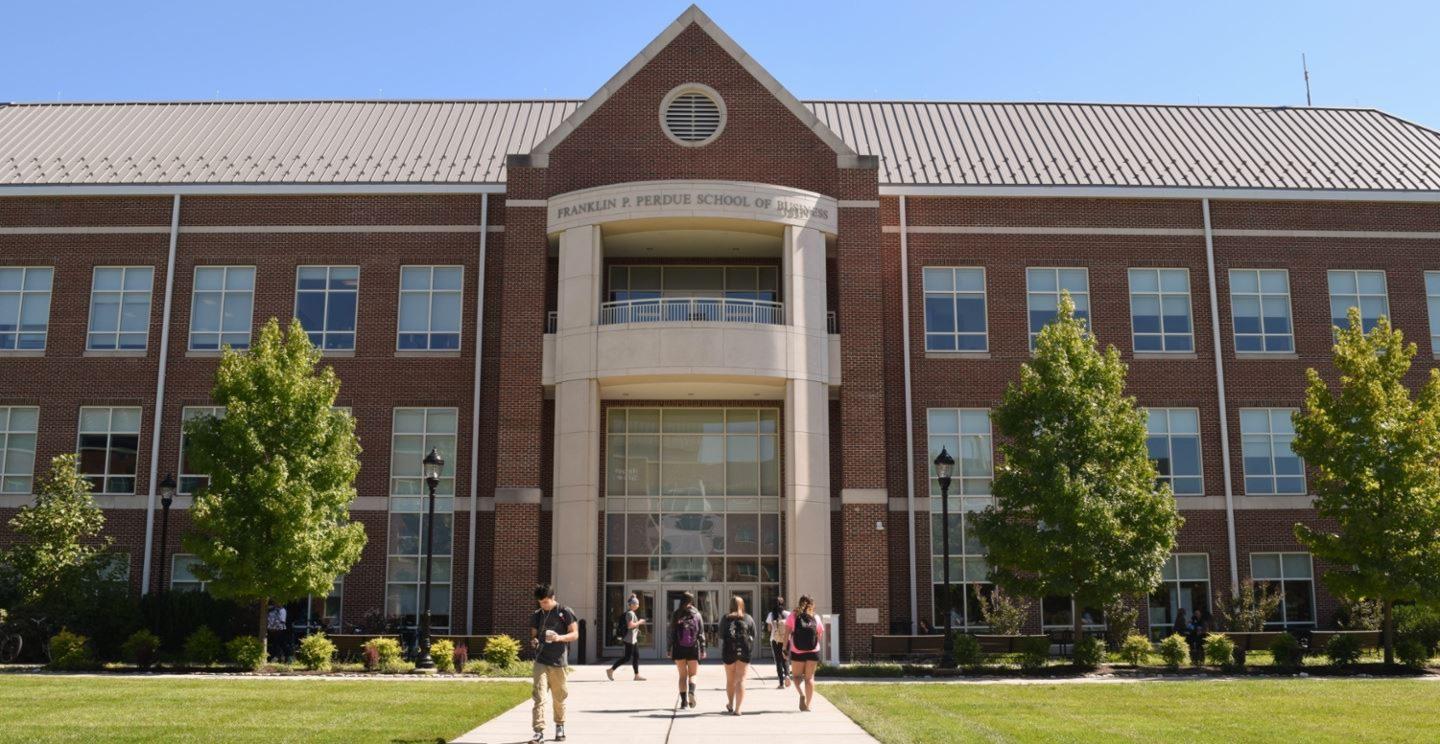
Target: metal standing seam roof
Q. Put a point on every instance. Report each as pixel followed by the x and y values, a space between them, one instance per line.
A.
pixel 919 143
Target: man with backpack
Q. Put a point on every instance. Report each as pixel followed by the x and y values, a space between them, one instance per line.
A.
pixel 779 641
pixel 627 631
pixel 552 628
pixel 687 646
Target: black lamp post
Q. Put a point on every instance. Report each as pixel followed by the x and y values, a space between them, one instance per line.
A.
pixel 944 466
pixel 433 462
pixel 167 497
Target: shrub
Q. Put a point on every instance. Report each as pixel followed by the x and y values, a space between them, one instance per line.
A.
pixel 1120 619
pixel 382 654
pixel 443 654
pixel 70 652
pixel 1034 652
pixel 1135 649
pixel 139 649
pixel 1220 650
pixel 1420 623
pixel 1287 652
pixel 397 667
pixel 1004 614
pixel 1174 650
pixel 502 651
pixel 1358 614
pixel 1412 653
pixel 1089 653
pixel 478 667
pixel 246 651
pixel 177 614
pixel 1247 611
pixel 202 648
pixel 967 650
pixel 315 652
pixel 1343 650
pixel 461 656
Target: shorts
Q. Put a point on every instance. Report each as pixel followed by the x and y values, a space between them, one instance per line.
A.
pixel 685 654
pixel 804 655
pixel 730 657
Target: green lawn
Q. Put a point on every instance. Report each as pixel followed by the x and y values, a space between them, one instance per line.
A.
pixel 1292 710
pixel 117 709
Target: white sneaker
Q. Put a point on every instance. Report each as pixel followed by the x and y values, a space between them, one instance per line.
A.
pixel 539 736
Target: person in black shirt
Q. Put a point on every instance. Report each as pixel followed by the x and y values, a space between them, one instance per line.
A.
pixel 737 640
pixel 552 628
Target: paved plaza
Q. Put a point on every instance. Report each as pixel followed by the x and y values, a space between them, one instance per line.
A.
pixel 599 710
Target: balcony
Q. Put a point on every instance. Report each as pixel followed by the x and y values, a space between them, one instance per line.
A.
pixel 692 310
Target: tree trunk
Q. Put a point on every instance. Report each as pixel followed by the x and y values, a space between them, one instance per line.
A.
pixel 1388 624
pixel 1077 628
pixel 264 626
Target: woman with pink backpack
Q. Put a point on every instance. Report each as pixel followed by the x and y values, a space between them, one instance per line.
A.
pixel 806 631
pixel 687 646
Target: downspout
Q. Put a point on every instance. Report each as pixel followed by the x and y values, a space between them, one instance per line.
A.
pixel 909 412
pixel 1220 390
pixel 160 396
pixel 475 418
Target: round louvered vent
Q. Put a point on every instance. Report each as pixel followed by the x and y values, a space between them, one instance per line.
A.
pixel 692 115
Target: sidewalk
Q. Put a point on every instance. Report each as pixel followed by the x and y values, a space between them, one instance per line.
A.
pixel 599 710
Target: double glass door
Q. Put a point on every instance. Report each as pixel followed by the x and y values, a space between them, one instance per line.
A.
pixel 658 605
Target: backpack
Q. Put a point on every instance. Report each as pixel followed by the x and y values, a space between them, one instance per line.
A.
pixel 735 636
pixel 687 631
pixel 621 628
pixel 804 637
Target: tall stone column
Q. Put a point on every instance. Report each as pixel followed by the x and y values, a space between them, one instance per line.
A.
pixel 807 421
pixel 576 507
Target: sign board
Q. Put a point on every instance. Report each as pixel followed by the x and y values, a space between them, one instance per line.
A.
pixel 651 199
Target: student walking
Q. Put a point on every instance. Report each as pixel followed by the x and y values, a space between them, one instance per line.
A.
pixel 737 640
pixel 805 634
pixel 687 646
pixel 779 641
pixel 552 628
pixel 630 636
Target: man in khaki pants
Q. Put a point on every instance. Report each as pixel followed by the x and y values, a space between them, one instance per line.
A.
pixel 552 628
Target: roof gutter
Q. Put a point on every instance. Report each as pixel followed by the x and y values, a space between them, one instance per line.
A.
pixel 248 189
pixel 909 414
pixel 160 396
pixel 1220 393
pixel 1057 191
pixel 475 419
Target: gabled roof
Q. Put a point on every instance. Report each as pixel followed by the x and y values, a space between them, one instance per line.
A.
pixel 922 144
pixel 692 15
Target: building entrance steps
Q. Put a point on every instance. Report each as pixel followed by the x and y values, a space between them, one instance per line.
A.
pixel 599 710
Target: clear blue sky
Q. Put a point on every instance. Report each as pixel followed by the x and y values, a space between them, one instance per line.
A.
pixel 1381 54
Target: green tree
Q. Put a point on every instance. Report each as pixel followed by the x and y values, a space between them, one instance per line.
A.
pixel 1078 508
pixel 274 523
pixel 1376 456
pixel 59 551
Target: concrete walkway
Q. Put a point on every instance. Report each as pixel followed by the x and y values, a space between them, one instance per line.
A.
pixel 599 710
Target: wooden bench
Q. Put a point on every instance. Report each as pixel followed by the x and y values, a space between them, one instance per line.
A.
pixel 1369 639
pixel 348 645
pixel 1255 641
pixel 1001 644
pixel 906 646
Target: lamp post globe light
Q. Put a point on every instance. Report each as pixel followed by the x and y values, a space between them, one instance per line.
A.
pixel 433 463
pixel 167 497
pixel 944 468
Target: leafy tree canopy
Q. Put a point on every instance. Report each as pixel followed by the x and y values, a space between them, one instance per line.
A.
pixel 59 548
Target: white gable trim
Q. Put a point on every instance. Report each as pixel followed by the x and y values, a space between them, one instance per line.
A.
pixel 845 155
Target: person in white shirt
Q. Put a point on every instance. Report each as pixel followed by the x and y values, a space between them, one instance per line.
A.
pixel 779 641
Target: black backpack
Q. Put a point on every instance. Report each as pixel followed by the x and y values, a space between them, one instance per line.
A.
pixel 804 636
pixel 736 637
pixel 621 628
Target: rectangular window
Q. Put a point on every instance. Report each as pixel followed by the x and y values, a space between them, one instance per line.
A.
pixel 684 453
pixel 1362 289
pixel 190 480
pixel 965 433
pixel 221 307
pixel 1271 467
pixel 1055 614
pixel 119 308
pixel 1042 289
pixel 1432 301
pixel 182 574
pixel 1292 575
pixel 325 303
pixel 1184 588
pixel 24 307
pixel 415 432
pixel 108 442
pixel 1160 310
pixel 430 300
pixel 1260 310
pixel 955 318
pixel 18 426
pixel 1174 442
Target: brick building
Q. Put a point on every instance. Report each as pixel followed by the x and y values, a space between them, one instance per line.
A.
pixel 695 334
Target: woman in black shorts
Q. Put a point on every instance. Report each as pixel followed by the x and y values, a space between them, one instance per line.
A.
pixel 687 646
pixel 806 631
pixel 737 640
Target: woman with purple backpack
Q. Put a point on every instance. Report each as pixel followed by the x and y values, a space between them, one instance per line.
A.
pixel 687 646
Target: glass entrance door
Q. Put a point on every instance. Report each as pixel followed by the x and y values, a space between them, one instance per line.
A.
pixel 707 600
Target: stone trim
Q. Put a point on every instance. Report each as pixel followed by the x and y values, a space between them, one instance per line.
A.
pixel 864 496
pixel 517 495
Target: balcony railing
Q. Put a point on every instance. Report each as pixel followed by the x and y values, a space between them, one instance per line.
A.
pixel 692 309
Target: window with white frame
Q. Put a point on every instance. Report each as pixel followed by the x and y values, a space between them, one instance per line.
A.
pixel 221 307
pixel 1184 588
pixel 1043 287
pixel 1432 302
pixel 24 307
pixel 1292 576
pixel 430 303
pixel 1271 466
pixel 966 434
pixel 1260 310
pixel 955 318
pixel 1361 289
pixel 182 574
pixel 108 443
pixel 1173 437
pixel 115 567
pixel 1056 612
pixel 119 308
pixel 325 304
pixel 415 432
pixel 1160 310
pixel 18 426
pixel 190 479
